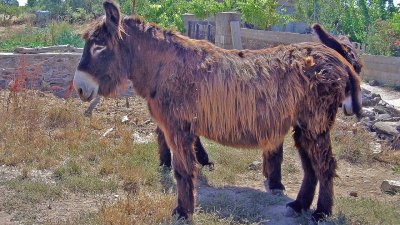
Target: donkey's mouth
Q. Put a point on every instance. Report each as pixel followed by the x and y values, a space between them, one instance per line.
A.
pixel 85 86
pixel 90 98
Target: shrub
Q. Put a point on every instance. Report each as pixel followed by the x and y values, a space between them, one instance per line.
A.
pixel 383 39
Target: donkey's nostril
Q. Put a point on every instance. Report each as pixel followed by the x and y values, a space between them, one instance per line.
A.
pixel 80 91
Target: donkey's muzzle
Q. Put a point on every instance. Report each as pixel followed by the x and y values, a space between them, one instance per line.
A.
pixel 85 85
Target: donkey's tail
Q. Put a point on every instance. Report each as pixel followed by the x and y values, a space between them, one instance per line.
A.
pixel 355 90
pixel 328 39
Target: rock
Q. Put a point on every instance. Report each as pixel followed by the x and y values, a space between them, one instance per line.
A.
pixel 393 111
pixel 365 91
pixel 387 128
pixel 353 194
pixel 397 86
pixel 376 147
pixel 375 95
pixel 381 102
pixel 390 186
pixel 256 165
pixel 367 102
pixel 381 117
pixel 108 132
pixel 380 109
pixel 373 83
pixel 124 119
pixel 395 144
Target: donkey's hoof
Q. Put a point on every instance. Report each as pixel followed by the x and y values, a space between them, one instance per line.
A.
pixel 180 213
pixel 87 114
pixel 291 212
pixel 318 217
pixel 277 192
pixel 210 165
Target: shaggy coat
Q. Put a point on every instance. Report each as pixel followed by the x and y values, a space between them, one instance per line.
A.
pixel 248 98
pixel 272 160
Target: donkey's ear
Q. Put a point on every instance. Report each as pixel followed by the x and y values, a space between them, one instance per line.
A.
pixel 113 16
pixel 328 39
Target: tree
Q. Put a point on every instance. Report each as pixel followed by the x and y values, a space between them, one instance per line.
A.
pixel 10 2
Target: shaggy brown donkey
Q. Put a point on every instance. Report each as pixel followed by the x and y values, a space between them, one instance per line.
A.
pixel 272 161
pixel 248 98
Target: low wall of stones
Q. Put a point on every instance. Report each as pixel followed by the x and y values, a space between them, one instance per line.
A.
pixel 386 70
pixel 256 39
pixel 51 72
pixel 47 71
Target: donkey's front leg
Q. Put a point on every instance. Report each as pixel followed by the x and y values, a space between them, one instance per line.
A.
pixel 325 170
pixel 183 162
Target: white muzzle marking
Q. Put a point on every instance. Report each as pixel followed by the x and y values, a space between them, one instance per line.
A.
pixel 86 87
pixel 347 106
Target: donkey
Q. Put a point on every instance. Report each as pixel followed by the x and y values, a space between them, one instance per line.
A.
pixel 248 98
pixel 272 161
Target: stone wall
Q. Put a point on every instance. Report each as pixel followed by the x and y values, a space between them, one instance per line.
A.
pixel 384 69
pixel 256 39
pixel 46 71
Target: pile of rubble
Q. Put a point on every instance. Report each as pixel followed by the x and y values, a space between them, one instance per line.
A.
pixel 381 118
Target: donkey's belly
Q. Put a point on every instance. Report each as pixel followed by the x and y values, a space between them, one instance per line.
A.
pixel 243 140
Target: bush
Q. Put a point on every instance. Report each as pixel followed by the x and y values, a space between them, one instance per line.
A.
pixel 9 12
pixel 62 33
pixel 31 37
pixel 383 39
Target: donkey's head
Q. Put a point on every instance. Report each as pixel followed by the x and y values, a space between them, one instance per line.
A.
pixel 352 103
pixel 103 67
pixel 342 45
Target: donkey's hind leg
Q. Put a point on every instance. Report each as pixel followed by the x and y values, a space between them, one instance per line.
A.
pixel 163 150
pixel 307 189
pixel 272 162
pixel 165 154
pixel 181 144
pixel 201 154
pixel 318 164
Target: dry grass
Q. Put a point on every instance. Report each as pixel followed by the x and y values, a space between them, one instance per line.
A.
pixel 39 132
pixel 364 212
pixel 352 144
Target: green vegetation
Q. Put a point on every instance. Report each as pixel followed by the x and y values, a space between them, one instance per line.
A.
pixel 375 23
pixel 57 33
pixel 34 191
pixel 364 211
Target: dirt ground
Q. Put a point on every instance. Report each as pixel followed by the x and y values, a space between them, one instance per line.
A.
pixel 364 180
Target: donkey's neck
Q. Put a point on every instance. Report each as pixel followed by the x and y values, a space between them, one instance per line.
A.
pixel 153 49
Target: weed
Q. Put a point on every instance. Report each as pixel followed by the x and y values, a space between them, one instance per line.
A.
pixel 32 191
pixel 88 184
pixel 352 145
pixel 143 208
pixel 364 211
pixel 396 170
pixel 230 163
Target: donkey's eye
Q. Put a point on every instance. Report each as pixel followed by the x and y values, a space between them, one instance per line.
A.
pixel 97 49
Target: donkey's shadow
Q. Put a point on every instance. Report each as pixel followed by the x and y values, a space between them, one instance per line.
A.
pixel 235 203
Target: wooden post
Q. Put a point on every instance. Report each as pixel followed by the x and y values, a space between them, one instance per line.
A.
pixel 187 17
pixel 236 38
pixel 223 33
